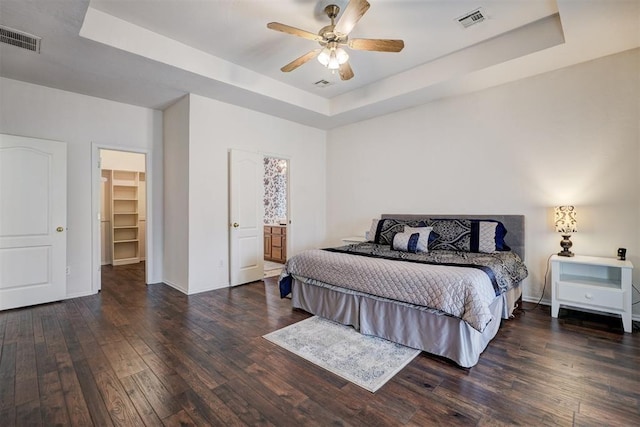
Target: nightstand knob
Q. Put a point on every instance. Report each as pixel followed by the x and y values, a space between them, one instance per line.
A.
pixel 588 296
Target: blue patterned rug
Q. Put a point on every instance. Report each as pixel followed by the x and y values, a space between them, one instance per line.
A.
pixel 364 360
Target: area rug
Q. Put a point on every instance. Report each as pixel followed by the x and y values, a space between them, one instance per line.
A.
pixel 366 361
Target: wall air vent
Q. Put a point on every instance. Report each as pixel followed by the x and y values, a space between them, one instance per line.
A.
pixel 472 18
pixel 19 39
pixel 322 83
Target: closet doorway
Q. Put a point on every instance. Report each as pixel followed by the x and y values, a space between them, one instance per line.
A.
pixel 123 202
pixel 276 214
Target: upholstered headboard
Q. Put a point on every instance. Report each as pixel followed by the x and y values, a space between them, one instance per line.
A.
pixel 513 223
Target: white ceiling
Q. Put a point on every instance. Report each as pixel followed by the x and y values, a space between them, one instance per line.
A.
pixel 151 52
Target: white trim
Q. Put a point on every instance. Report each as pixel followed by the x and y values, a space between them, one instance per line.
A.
pixel 96 281
pixel 213 288
pixel 634 316
pixel 79 295
pixel 536 299
pixel 174 286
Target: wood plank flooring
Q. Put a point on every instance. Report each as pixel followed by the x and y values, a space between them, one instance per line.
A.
pixel 149 355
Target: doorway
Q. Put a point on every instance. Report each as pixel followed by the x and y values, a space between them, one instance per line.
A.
pixel 276 214
pixel 123 207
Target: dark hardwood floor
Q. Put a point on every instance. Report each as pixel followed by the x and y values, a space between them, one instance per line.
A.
pixel 149 355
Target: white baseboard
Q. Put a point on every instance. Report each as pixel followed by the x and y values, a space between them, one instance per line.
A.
pixel 173 285
pixel 634 316
pixel 534 300
pixel 80 294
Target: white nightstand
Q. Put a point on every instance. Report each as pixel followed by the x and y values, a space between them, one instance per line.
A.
pixel 592 283
pixel 351 240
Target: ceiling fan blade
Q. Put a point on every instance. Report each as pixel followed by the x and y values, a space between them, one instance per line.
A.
pixel 378 45
pixel 351 15
pixel 345 71
pixel 294 31
pixel 301 60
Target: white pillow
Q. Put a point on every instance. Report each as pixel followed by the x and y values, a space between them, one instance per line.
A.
pixel 487 237
pixel 405 242
pixel 423 241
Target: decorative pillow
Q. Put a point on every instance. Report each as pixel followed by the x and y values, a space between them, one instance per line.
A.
pixel 454 234
pixel 500 233
pixel 469 235
pixel 406 242
pixel 387 228
pixel 486 232
pixel 427 236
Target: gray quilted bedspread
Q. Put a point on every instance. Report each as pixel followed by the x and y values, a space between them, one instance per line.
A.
pixel 459 291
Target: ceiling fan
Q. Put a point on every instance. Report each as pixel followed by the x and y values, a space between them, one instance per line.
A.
pixel 332 37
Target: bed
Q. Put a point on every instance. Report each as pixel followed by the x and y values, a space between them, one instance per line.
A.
pixel 448 301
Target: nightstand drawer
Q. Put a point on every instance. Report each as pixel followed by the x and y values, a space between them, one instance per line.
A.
pixel 591 295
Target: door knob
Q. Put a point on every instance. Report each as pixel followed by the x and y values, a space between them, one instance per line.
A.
pixel 236 225
pixel 60 229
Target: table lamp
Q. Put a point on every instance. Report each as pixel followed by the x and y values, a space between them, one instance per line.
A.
pixel 565 220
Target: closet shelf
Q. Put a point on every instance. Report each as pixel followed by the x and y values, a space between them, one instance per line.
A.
pixel 123 261
pixel 125 218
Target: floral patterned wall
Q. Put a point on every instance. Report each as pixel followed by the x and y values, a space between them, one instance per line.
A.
pixel 275 189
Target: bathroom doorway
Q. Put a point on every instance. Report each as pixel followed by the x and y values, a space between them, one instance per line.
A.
pixel 276 214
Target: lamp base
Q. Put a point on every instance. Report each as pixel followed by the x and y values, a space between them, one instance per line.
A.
pixel 566 244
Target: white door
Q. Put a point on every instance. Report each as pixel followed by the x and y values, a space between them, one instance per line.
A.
pixel 246 210
pixel 33 216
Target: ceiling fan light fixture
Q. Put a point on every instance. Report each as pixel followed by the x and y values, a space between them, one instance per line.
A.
pixel 341 55
pixel 332 57
pixel 324 56
pixel 333 61
pixel 331 37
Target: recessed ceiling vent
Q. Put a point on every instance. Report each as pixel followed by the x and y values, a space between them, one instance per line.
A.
pixel 20 39
pixel 322 83
pixel 472 18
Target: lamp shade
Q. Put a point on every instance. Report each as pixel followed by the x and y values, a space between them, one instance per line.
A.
pixel 565 219
pixel 324 56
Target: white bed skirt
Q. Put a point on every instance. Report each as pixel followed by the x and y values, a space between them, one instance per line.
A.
pixel 407 324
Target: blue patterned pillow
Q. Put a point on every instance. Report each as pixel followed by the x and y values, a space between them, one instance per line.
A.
pixel 406 242
pixel 500 233
pixel 469 235
pixel 427 236
pixel 383 230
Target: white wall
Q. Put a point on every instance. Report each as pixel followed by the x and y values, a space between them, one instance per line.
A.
pixel 214 129
pixel 176 195
pixel 565 137
pixel 79 120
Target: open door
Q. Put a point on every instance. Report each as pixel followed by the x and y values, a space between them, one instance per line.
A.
pixel 33 221
pixel 246 191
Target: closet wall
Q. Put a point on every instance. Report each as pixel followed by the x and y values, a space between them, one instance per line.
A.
pixel 123 193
